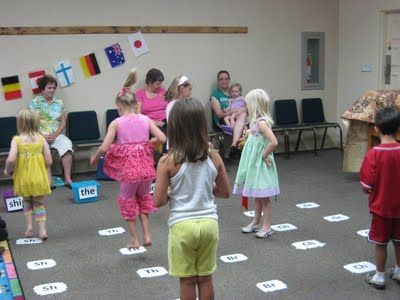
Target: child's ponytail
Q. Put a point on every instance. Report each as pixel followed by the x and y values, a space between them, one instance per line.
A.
pixel 125 95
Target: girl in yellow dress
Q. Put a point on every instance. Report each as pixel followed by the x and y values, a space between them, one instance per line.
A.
pixel 29 161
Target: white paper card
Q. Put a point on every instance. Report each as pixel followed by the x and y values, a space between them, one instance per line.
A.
pixel 126 251
pixel 15 203
pixel 360 267
pixel 28 241
pixel 41 264
pixel 250 213
pixel 336 218
pixel 283 227
pixel 232 258
pixel 89 191
pixel 363 232
pixel 310 244
pixel 271 286
pixel 307 205
pixel 151 272
pixel 111 231
pixel 50 288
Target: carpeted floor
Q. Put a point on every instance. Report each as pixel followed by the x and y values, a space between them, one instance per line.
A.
pixel 87 265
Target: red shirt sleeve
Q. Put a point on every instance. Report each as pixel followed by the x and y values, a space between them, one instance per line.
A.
pixel 368 170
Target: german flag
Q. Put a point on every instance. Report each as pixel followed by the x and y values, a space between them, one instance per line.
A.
pixel 89 65
pixel 11 87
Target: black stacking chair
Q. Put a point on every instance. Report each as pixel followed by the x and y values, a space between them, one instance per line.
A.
pixel 313 115
pixel 287 120
pixel 8 127
pixel 111 115
pixel 83 129
pixel 220 140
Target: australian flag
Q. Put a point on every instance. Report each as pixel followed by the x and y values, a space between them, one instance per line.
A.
pixel 115 55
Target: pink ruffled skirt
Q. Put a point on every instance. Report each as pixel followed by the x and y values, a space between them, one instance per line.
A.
pixel 133 162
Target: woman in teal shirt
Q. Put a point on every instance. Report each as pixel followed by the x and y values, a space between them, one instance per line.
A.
pixel 220 102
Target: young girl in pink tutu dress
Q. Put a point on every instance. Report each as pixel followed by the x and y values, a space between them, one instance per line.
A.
pixel 131 162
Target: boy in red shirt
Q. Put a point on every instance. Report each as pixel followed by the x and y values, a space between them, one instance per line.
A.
pixel 380 179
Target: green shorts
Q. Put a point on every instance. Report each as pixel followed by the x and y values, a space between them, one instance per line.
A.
pixel 192 247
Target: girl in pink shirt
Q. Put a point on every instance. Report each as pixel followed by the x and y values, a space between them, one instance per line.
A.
pixel 131 162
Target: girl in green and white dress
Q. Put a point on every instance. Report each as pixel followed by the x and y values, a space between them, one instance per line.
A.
pixel 257 176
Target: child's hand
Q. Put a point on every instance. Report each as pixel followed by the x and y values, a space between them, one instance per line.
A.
pixel 367 190
pixel 267 160
pixel 94 160
pixel 154 141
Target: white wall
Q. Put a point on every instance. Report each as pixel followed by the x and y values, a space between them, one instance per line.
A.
pixel 359 43
pixel 267 57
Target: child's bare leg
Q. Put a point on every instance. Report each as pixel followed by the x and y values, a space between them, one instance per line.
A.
pixel 206 288
pixel 144 219
pixel 238 128
pixel 187 288
pixel 39 210
pixel 227 120
pixel 134 244
pixel 28 212
pixel 257 211
pixel 380 257
pixel 266 208
pixel 146 206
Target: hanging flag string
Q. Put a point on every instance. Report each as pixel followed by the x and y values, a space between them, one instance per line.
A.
pixel 118 57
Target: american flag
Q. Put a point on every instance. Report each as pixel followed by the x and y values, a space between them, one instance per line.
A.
pixel 115 55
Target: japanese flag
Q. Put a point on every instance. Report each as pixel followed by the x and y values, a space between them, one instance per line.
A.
pixel 138 44
pixel 33 78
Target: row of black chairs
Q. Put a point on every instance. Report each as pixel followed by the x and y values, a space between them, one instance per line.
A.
pixel 313 117
pixel 82 129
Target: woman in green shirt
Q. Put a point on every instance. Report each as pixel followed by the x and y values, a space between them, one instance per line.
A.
pixel 219 104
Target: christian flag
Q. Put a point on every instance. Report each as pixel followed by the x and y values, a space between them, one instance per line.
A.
pixel 89 65
pixel 34 77
pixel 11 87
pixel 64 73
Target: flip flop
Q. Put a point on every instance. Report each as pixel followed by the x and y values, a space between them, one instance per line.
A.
pixel 68 185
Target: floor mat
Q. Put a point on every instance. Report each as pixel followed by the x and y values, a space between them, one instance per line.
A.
pixel 10 287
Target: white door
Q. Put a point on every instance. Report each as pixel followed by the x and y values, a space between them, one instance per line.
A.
pixel 391 59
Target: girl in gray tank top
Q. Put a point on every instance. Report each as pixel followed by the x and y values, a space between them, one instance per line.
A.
pixel 189 178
